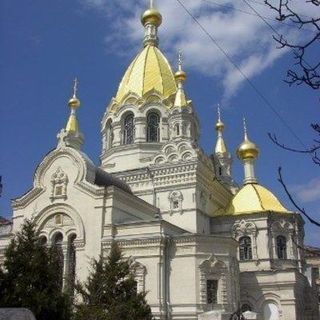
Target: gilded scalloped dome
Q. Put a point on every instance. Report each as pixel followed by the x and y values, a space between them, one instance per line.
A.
pixel 149 70
pixel 253 198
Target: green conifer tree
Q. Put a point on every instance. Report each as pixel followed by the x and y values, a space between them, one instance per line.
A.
pixel 31 277
pixel 110 292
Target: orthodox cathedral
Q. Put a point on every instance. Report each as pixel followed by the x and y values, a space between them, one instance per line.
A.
pixel 202 247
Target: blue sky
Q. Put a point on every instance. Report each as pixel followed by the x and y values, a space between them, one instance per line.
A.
pixel 45 44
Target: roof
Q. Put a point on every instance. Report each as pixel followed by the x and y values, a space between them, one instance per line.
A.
pixel 253 198
pixel 4 221
pixel 150 70
pixel 104 179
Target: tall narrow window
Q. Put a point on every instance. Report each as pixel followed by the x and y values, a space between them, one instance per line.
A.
pixel 212 291
pixel 71 262
pixel 177 127
pixel 128 129
pixel 57 243
pixel 109 135
pixel 153 121
pixel 282 247
pixel 245 248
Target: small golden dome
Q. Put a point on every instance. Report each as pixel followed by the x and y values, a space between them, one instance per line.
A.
pixel 180 75
pixel 247 150
pixel 74 102
pixel 253 198
pixel 219 125
pixel 151 16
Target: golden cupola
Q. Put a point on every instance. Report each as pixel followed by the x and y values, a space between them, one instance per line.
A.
pixel 150 70
pixel 247 149
pixel 252 198
pixel 71 136
pixel 74 103
pixel 220 145
pixel 180 76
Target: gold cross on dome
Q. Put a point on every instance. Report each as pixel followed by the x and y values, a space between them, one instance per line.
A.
pixel 75 86
pixel 180 59
pixel 244 125
pixel 219 112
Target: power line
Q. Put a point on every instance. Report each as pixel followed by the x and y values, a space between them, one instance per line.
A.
pixel 252 85
pixel 273 29
pixel 231 7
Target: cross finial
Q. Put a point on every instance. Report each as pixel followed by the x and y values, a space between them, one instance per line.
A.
pixel 180 59
pixel 245 128
pixel 219 112
pixel 75 87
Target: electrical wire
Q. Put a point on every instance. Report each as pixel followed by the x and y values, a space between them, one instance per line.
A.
pixel 273 29
pixel 252 85
pixel 231 7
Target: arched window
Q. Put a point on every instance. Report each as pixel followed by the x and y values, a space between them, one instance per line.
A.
pixel 109 135
pixel 128 129
pixel 271 311
pixel 153 121
pixel 71 262
pixel 246 307
pixel 245 248
pixel 57 244
pixel 43 240
pixel 281 247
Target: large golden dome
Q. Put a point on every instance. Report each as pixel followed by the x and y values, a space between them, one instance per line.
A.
pixel 253 198
pixel 149 70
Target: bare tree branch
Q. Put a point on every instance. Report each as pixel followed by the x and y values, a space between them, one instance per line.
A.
pixel 307 73
pixel 301 210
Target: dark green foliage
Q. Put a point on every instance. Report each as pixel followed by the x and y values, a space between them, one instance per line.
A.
pixel 110 292
pixel 31 277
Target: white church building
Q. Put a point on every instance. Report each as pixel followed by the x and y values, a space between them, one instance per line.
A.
pixel 202 246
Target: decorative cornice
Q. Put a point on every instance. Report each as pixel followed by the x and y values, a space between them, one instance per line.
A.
pixel 27 198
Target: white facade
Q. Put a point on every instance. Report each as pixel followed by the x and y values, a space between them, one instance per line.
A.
pixel 158 195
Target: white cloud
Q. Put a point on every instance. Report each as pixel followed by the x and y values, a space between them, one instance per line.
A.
pixel 245 37
pixel 309 191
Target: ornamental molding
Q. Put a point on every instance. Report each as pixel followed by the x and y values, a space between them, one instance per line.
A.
pixel 48 220
pixel 59 182
pixel 175 199
pixel 213 269
pixel 161 176
pixel 246 228
pixel 27 198
pixel 131 99
pixel 150 242
pixel 173 152
pixel 86 169
pixel 140 272
pixel 243 228
pixel 282 226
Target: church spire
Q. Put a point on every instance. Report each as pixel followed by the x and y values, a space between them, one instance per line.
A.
pixel 220 145
pixel 248 152
pixel 74 104
pixel 71 135
pixel 180 76
pixel 222 158
pixel 151 19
